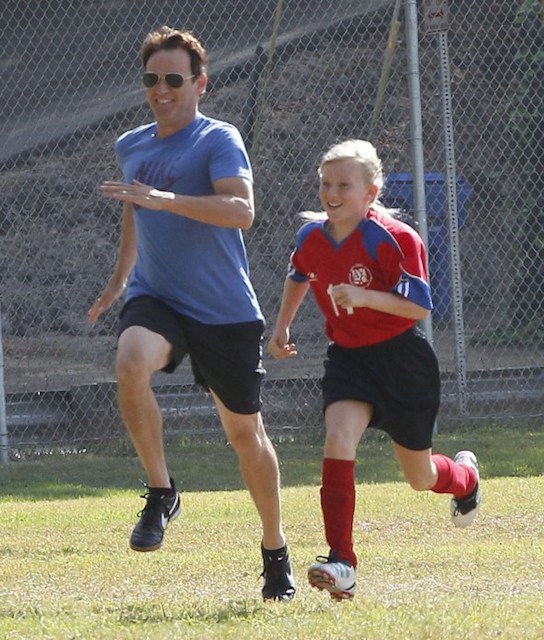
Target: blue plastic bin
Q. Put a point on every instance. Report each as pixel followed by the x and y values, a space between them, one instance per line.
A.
pixel 399 194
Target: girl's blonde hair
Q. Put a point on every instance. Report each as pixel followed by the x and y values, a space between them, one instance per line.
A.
pixel 362 152
pixel 365 154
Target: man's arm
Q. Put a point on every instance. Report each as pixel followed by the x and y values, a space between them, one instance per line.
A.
pixel 232 205
pixel 126 260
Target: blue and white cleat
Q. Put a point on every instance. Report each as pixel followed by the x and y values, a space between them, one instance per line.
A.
pixel 333 575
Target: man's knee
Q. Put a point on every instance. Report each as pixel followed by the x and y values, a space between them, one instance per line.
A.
pixel 248 436
pixel 128 364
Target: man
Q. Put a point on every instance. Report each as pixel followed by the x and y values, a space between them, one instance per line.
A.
pixel 182 268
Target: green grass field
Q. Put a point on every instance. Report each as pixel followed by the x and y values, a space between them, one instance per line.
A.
pixel 67 571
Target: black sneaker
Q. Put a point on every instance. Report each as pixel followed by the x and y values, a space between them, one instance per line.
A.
pixel 279 582
pixel 159 510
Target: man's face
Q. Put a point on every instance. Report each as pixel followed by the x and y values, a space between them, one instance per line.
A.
pixel 173 107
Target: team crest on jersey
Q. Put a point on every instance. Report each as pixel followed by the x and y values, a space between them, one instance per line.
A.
pixel 360 276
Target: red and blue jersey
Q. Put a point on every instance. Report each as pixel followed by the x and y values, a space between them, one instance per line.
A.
pixel 382 254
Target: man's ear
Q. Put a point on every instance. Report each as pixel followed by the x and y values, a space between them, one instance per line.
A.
pixel 202 83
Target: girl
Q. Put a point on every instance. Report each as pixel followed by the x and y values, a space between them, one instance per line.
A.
pixel 368 272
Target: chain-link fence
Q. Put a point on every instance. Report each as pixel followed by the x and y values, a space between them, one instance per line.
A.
pixel 295 77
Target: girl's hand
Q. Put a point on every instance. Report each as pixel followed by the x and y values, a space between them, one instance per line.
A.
pixel 279 345
pixel 347 296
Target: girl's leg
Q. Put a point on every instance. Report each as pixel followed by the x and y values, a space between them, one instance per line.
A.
pixel 346 422
pixel 424 470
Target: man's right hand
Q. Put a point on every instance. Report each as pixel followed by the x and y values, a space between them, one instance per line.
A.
pixel 109 295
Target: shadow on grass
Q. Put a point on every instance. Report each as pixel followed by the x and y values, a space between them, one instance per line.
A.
pixel 213 466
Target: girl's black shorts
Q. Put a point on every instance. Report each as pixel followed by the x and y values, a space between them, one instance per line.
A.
pixel 400 378
pixel 226 358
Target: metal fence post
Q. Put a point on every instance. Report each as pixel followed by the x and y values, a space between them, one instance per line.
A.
pixel 4 447
pixel 451 184
pixel 416 128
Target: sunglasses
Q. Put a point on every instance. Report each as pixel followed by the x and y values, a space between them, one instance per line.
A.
pixel 174 80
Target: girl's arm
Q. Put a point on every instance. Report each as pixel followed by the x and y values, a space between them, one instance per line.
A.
pixel 347 295
pixel 293 295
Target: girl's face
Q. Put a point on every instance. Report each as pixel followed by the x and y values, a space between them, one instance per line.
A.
pixel 344 193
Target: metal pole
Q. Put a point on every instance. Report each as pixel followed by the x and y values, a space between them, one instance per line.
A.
pixel 392 43
pixel 4 448
pixel 451 192
pixel 420 211
pixel 261 97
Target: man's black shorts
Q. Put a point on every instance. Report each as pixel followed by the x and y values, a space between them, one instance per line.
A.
pixel 400 378
pixel 226 358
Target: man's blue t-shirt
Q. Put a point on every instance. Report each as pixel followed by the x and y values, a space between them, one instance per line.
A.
pixel 201 270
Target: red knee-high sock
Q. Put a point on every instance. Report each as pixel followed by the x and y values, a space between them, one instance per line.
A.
pixel 338 506
pixel 454 478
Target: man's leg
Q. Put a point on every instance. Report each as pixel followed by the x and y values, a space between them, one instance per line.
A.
pixel 259 467
pixel 260 471
pixel 140 353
